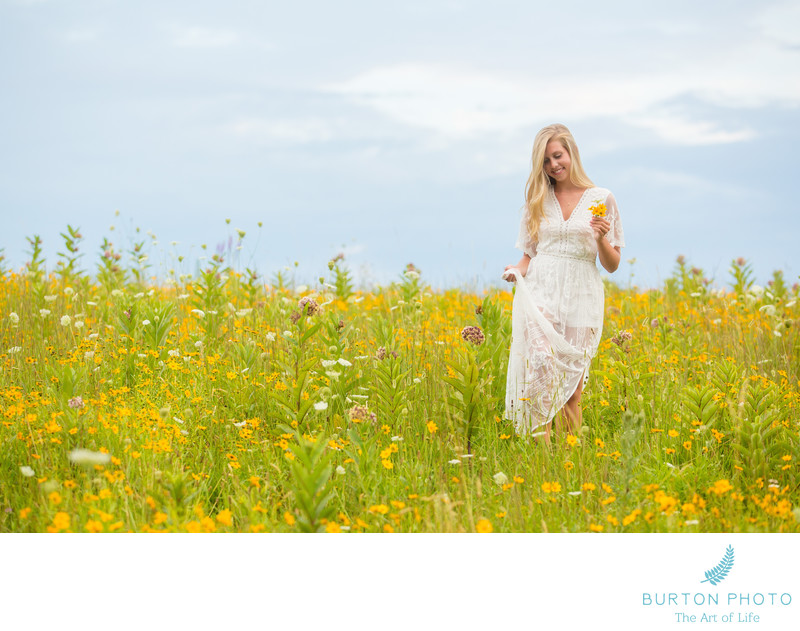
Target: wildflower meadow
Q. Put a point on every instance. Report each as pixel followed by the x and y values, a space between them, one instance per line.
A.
pixel 223 401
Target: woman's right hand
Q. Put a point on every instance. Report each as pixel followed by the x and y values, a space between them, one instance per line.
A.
pixel 521 267
pixel 511 277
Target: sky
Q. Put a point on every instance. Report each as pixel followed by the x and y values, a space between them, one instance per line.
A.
pixel 396 132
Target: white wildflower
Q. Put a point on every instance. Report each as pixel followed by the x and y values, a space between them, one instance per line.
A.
pixel 454 461
pixel 174 352
pixel 44 312
pixel 242 424
pixel 27 471
pixel 14 349
pixel 50 298
pixel 340 470
pixel 88 457
pixel 270 336
pixel 178 420
pixel 199 313
pixel 500 478
pixel 199 345
pixel 79 324
pixel 65 320
pixel 88 354
pixel 116 293
pixel 320 406
pixel 13 317
pixel 344 362
pixel 68 291
pixel 327 363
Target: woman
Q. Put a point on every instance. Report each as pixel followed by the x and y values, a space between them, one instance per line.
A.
pixel 557 317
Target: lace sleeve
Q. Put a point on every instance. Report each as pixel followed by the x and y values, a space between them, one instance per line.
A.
pixel 524 241
pixel 616 237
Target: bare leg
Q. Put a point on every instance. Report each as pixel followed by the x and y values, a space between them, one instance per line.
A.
pixel 571 413
pixel 547 429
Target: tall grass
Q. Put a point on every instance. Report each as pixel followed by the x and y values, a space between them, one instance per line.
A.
pixel 216 402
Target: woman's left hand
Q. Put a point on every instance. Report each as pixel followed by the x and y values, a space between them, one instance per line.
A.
pixel 600 227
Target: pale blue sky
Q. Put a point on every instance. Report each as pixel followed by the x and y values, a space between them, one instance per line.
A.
pixel 400 131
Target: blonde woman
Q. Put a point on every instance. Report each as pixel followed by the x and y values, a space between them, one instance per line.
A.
pixel 567 224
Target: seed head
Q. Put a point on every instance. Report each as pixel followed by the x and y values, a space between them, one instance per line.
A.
pixel 473 335
pixel 360 413
pixel 313 306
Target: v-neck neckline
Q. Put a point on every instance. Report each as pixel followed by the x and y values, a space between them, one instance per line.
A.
pixel 574 208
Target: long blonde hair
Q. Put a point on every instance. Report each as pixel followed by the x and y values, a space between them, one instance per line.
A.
pixel 539 182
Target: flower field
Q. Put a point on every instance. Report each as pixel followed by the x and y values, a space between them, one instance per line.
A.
pixel 221 402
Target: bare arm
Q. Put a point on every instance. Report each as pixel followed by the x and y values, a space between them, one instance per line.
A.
pixel 609 255
pixel 522 266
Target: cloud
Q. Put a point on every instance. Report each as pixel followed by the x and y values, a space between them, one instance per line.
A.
pixel 286 130
pixel 779 23
pixel 202 37
pixel 460 104
pixel 754 70
pixel 678 130
pixel 687 183
pixel 81 34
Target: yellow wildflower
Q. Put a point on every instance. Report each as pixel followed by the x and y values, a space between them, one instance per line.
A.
pixel 225 517
pixel 720 487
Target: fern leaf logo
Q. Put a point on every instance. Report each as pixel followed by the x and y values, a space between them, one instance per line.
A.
pixel 718 573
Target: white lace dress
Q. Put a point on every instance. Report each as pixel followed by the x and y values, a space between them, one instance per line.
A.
pixel 557 316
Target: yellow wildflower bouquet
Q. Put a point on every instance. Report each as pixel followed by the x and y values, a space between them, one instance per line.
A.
pixel 599 209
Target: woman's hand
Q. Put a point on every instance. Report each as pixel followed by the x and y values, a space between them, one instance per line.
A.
pixel 522 266
pixel 509 276
pixel 600 227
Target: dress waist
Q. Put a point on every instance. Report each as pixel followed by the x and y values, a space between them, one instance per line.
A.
pixel 587 258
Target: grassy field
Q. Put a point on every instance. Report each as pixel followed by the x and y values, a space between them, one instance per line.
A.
pixel 225 402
